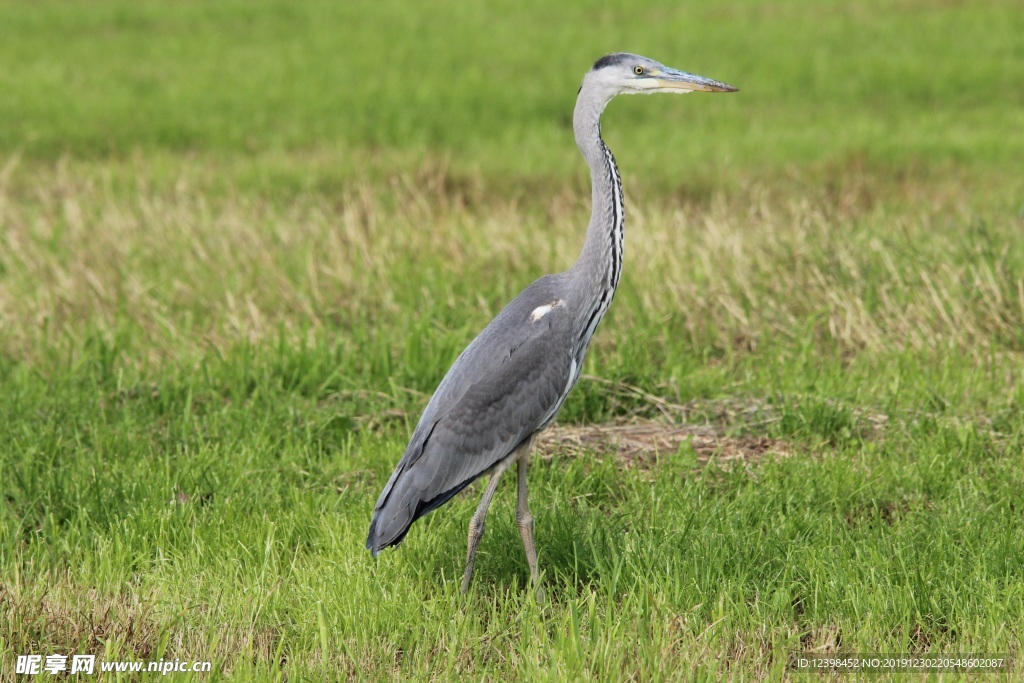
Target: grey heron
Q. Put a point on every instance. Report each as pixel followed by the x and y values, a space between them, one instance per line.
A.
pixel 511 381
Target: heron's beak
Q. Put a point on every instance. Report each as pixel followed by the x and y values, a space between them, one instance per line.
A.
pixel 672 80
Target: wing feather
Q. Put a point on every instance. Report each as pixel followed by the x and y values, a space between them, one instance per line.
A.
pixel 497 394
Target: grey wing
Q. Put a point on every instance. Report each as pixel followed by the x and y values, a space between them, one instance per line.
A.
pixel 508 384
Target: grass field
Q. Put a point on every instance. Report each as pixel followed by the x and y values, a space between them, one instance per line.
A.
pixel 240 244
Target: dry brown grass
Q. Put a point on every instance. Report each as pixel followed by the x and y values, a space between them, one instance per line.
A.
pixel 193 272
pixel 66 613
pixel 714 429
pixel 641 443
pixel 54 613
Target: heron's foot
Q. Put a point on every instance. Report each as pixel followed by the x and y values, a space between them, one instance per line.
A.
pixel 524 522
pixel 539 594
pixel 476 525
pixel 476 531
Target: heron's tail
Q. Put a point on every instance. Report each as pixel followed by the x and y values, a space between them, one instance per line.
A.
pixel 370 538
pixel 412 491
pixel 394 514
pixel 388 527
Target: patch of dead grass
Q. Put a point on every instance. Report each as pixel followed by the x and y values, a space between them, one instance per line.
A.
pixel 65 616
pixel 640 443
pixel 53 614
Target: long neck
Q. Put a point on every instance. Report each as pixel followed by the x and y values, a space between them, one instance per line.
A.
pixel 599 266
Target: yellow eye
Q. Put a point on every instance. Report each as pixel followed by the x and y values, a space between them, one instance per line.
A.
pixel 638 70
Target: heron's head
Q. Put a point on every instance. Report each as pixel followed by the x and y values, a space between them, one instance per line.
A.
pixel 624 73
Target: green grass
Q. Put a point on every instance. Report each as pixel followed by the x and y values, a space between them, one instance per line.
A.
pixel 241 243
pixel 222 511
pixel 307 95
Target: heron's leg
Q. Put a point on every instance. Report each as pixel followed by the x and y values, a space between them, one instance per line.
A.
pixel 524 520
pixel 476 525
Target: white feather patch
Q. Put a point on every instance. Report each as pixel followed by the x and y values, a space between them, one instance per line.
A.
pixel 542 311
